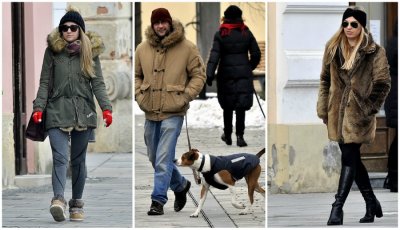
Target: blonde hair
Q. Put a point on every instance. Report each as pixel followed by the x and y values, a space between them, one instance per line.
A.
pixel 87 64
pixel 339 40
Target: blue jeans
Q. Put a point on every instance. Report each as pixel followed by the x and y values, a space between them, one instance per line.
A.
pixel 60 149
pixel 161 138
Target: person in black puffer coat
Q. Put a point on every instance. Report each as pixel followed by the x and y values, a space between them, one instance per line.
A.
pixel 391 114
pixel 230 52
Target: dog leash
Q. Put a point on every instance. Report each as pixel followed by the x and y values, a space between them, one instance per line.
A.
pixel 255 93
pixel 195 174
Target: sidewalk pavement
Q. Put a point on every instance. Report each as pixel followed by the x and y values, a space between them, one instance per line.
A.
pixel 217 210
pixel 107 197
pixel 312 210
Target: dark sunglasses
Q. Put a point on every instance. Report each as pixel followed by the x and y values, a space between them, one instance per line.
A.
pixel 64 28
pixel 353 24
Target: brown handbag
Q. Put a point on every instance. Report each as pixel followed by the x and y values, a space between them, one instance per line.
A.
pixel 37 131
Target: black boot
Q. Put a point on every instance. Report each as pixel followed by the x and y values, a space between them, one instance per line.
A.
pixel 155 209
pixel 394 183
pixel 391 181
pixel 227 139
pixel 373 206
pixel 345 182
pixel 240 141
pixel 180 198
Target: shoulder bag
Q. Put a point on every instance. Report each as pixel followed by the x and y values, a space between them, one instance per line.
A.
pixel 37 131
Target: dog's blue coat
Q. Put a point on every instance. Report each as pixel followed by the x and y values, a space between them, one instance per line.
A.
pixel 238 166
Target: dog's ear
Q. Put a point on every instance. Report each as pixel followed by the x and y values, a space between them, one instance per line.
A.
pixel 192 155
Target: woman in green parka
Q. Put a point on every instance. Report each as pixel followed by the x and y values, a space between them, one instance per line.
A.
pixel 72 61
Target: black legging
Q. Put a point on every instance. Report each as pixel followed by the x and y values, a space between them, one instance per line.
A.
pixel 351 157
pixel 240 120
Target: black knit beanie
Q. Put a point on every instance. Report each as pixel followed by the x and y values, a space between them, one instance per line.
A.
pixel 359 15
pixel 233 12
pixel 72 16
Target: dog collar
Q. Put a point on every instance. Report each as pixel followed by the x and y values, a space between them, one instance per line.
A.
pixel 203 159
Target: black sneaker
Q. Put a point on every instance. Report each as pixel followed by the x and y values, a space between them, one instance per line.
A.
pixel 226 139
pixel 155 209
pixel 180 198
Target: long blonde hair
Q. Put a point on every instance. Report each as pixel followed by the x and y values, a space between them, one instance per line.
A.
pixel 339 40
pixel 87 64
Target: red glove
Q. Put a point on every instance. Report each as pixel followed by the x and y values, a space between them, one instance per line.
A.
pixel 37 117
pixel 107 117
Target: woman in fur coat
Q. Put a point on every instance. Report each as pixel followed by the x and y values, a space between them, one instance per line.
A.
pixel 354 83
pixel 71 60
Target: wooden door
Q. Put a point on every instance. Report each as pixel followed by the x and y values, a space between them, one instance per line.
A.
pixel 375 155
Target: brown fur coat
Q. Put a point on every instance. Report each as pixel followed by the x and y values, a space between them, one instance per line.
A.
pixel 350 99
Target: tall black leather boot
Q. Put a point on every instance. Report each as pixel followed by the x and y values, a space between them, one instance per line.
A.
pixel 373 206
pixel 346 180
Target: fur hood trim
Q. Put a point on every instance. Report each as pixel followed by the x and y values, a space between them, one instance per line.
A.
pixel 57 43
pixel 177 35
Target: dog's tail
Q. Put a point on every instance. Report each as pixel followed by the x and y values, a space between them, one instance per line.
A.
pixel 259 154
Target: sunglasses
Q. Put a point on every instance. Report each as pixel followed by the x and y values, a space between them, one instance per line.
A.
pixel 353 24
pixel 65 28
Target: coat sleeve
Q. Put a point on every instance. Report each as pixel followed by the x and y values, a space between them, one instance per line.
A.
pixel 40 102
pixel 213 58
pixel 99 87
pixel 255 53
pixel 196 73
pixel 380 81
pixel 325 83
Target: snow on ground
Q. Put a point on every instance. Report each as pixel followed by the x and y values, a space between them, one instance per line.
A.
pixel 208 114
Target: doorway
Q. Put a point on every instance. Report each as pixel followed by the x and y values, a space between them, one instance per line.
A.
pixel 18 72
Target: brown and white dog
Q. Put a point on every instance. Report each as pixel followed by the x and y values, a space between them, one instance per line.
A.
pixel 223 171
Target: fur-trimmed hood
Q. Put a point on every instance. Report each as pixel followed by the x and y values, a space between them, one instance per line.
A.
pixel 176 35
pixel 57 43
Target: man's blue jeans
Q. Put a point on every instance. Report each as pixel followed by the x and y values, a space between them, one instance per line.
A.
pixel 161 138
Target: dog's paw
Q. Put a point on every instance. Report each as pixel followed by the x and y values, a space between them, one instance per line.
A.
pixel 238 205
pixel 194 215
pixel 243 213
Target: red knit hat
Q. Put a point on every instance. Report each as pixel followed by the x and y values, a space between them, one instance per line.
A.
pixel 160 14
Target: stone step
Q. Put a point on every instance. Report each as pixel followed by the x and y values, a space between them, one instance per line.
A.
pixel 30 181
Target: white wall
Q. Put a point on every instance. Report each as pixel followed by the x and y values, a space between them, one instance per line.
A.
pixel 302 32
pixel 58 12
